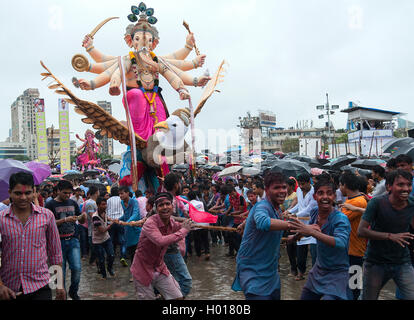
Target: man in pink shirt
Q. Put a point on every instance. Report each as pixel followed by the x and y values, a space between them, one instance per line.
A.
pixel 149 269
pixel 29 239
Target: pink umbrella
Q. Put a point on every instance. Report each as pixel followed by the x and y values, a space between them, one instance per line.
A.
pixel 40 171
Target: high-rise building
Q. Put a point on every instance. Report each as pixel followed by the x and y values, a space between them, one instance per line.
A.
pixel 53 145
pixel 107 144
pixel 23 119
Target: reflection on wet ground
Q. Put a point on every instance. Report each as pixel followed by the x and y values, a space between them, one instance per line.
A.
pixel 212 280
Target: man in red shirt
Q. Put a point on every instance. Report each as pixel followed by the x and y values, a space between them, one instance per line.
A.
pixel 148 268
pixel 29 238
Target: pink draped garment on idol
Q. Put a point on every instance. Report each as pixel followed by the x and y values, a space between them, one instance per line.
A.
pixel 142 120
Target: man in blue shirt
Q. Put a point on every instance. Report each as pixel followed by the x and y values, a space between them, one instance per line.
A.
pixel 258 257
pixel 329 277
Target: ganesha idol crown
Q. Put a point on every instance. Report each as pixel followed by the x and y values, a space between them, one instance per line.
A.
pixel 145 22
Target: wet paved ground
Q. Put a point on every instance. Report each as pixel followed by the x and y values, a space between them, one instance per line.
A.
pixel 212 280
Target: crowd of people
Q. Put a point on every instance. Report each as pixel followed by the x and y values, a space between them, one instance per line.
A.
pixel 342 220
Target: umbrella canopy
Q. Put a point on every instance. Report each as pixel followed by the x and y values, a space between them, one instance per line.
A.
pixel 111 161
pixel 367 163
pixel 115 168
pixel 91 173
pixel 291 168
pixel 312 162
pixel 339 162
pixel 230 171
pixel 72 174
pixel 7 168
pixel 362 172
pixel 217 168
pixel 181 167
pixel 396 144
pixel 55 177
pixel 40 171
pixel 408 150
pixel 250 171
pixel 92 182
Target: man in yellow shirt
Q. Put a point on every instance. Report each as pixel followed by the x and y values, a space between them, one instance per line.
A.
pixel 349 186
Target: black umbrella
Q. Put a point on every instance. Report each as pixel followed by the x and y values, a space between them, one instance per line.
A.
pixel 291 168
pixel 362 172
pixel 93 182
pixel 367 163
pixel 340 162
pixel 91 173
pixel 394 145
pixel 408 150
pixel 312 162
pixel 181 167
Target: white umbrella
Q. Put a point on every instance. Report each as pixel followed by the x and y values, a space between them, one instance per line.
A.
pixel 230 171
pixel 115 168
pixel 250 171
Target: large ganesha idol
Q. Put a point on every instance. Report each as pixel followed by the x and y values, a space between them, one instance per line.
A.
pixel 150 131
pixel 88 151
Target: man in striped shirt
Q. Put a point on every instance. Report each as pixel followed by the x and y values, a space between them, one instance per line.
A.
pixel 115 211
pixel 29 239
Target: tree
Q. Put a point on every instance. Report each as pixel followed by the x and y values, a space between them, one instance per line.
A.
pixel 400 133
pixel 342 139
pixel 290 145
pixel 21 158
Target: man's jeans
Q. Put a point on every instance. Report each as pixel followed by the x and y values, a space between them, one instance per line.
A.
pixel 275 295
pixel 71 254
pixel 101 249
pixel 377 275
pixel 302 256
pixel 84 241
pixel 175 263
pixel 117 233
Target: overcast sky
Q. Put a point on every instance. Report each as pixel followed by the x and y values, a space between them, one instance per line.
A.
pixel 283 55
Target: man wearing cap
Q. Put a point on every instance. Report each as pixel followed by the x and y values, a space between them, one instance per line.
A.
pixel 148 268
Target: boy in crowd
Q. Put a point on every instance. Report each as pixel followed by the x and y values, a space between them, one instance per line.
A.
pixel 385 224
pixel 329 278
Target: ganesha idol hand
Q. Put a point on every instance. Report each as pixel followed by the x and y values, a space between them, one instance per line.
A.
pixel 202 81
pixel 87 41
pixel 85 84
pixel 184 95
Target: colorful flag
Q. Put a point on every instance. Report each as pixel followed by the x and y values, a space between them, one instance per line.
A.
pixel 199 216
pixel 42 156
pixel 64 136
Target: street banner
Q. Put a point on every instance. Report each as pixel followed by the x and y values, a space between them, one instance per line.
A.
pixel 64 136
pixel 42 155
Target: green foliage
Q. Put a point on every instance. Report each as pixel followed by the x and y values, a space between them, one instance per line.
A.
pixel 400 133
pixel 342 139
pixel 21 158
pixel 290 145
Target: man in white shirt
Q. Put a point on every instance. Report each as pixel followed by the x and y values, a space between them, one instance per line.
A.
pixel 77 196
pixel 115 211
pixel 303 208
pixel 242 190
pixel 201 242
pixel 258 189
pixel 378 174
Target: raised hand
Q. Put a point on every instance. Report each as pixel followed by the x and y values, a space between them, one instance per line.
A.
pixel 87 41
pixel 85 84
pixel 190 40
pixel 202 81
pixel 200 60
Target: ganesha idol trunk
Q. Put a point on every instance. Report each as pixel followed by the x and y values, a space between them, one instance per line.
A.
pixel 168 143
pixel 155 153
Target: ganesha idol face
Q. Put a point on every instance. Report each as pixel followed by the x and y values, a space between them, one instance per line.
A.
pixel 142 40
